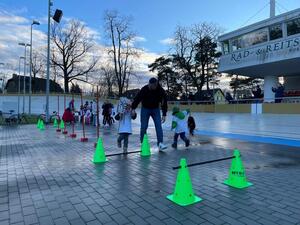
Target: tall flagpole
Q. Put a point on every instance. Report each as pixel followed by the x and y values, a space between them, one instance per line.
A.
pixel 272 8
pixel 48 64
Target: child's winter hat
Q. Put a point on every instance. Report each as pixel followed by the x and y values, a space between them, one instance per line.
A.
pixel 176 110
pixel 122 104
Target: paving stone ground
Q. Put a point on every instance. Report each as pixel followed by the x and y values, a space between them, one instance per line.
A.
pixel 48 178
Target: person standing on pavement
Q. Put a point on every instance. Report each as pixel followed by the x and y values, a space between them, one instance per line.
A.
pixel 152 96
pixel 124 116
pixel 180 126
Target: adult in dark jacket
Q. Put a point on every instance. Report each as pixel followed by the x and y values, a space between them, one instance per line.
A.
pixel 107 113
pixel 279 93
pixel 152 96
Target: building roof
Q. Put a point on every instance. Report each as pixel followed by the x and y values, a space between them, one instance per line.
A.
pixel 208 94
pixel 267 22
pixel 38 84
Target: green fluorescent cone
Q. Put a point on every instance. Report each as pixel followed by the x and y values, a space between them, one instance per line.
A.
pixel 145 148
pixel 183 194
pixel 38 124
pixel 62 125
pixel 55 124
pixel 99 155
pixel 237 177
pixel 42 125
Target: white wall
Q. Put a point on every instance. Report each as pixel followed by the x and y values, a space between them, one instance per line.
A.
pixel 38 103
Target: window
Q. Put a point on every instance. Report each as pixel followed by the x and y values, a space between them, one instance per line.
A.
pixel 236 44
pixel 253 38
pixel 225 47
pixel 275 32
pixel 293 27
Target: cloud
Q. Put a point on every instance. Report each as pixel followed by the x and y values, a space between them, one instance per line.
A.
pixel 9 18
pixel 93 33
pixel 167 41
pixel 42 20
pixel 15 29
pixel 140 39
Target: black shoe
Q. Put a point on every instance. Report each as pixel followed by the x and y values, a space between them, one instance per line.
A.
pixel 119 144
pixel 187 143
pixel 174 145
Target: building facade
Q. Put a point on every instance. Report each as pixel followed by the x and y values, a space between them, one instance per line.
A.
pixel 268 49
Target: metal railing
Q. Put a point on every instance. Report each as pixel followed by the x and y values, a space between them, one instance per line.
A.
pixel 238 101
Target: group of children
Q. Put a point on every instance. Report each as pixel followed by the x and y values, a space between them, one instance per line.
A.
pixel 87 113
pixel 182 124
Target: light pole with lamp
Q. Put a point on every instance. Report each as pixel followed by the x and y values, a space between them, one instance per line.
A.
pixel 34 22
pixel 2 84
pixel 19 84
pixel 24 86
pixel 57 17
pixel 2 79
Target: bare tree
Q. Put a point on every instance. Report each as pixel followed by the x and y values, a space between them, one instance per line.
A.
pixel 108 79
pixel 122 50
pixel 38 64
pixel 73 52
pixel 37 67
pixel 130 74
pixel 184 53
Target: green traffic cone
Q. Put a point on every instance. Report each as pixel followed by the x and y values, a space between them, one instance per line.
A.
pixel 183 194
pixel 99 155
pixel 55 124
pixel 62 125
pixel 38 124
pixel 145 148
pixel 237 176
pixel 42 125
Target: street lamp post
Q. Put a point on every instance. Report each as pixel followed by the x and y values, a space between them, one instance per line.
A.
pixel 2 84
pixel 2 79
pixel 24 86
pixel 48 62
pixel 2 64
pixel 19 84
pixel 34 22
pixel 57 17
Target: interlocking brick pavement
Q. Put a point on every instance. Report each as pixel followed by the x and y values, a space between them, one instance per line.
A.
pixel 48 178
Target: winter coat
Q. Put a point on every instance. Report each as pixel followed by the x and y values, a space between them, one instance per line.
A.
pixel 179 122
pixel 151 99
pixel 107 109
pixel 124 115
pixel 125 123
pixel 68 116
